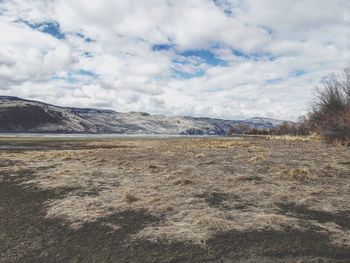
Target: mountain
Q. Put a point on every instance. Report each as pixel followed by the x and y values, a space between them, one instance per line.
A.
pixel 263 123
pixel 20 115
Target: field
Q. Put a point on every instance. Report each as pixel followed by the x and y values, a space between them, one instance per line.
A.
pixel 174 200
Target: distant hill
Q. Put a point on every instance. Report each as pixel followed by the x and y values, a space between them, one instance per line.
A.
pixel 19 116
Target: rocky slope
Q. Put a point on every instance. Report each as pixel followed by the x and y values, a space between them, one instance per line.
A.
pixel 20 115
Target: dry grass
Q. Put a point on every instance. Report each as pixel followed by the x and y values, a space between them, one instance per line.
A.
pixel 308 138
pixel 199 155
pixel 130 198
pixel 300 173
pixel 200 187
pixel 259 157
pixel 183 181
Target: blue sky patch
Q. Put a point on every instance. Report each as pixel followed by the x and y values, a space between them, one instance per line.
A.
pixel 87 73
pixel 267 29
pixel 276 80
pixel 207 56
pixel 225 6
pixel 51 28
pixel 293 74
pixel 87 54
pixel 186 75
pixel 297 73
pixel 86 39
pixel 162 47
pixel 196 61
pixel 69 78
pixel 73 77
pixel 241 54
pixel 254 56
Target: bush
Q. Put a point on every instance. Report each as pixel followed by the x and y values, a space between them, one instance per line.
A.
pixel 286 128
pixel 330 115
pixel 290 128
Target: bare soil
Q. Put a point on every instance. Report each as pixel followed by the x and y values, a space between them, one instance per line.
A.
pixel 174 200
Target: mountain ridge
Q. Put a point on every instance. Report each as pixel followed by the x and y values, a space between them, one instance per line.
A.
pixel 23 115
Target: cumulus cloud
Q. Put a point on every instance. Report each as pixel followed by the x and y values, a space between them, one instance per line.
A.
pixel 221 58
pixel 26 54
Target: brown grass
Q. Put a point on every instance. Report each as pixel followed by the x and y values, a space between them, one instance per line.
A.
pixel 300 173
pixel 183 181
pixel 259 157
pixel 200 187
pixel 130 198
pixel 308 138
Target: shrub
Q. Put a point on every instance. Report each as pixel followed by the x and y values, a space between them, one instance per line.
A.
pixel 301 127
pixel 240 129
pixel 286 128
pixel 330 115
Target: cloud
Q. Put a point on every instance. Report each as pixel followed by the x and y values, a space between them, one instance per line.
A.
pixel 26 54
pixel 222 58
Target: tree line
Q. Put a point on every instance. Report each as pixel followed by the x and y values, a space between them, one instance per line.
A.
pixel 329 116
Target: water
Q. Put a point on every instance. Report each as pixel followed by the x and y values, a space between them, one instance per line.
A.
pixel 101 136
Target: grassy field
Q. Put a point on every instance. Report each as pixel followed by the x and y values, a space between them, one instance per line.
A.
pixel 174 200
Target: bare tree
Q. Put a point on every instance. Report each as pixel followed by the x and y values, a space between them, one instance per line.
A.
pixel 330 115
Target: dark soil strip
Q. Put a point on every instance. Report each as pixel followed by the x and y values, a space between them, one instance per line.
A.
pixel 301 211
pixel 224 201
pixel 278 245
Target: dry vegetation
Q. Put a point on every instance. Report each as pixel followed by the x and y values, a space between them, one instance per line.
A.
pixel 329 118
pixel 180 199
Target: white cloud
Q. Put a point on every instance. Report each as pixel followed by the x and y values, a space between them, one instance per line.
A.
pixel 26 54
pixel 274 52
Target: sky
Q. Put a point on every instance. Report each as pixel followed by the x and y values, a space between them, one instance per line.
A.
pixel 231 59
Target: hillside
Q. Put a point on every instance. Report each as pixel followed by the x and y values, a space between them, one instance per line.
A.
pixel 19 115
